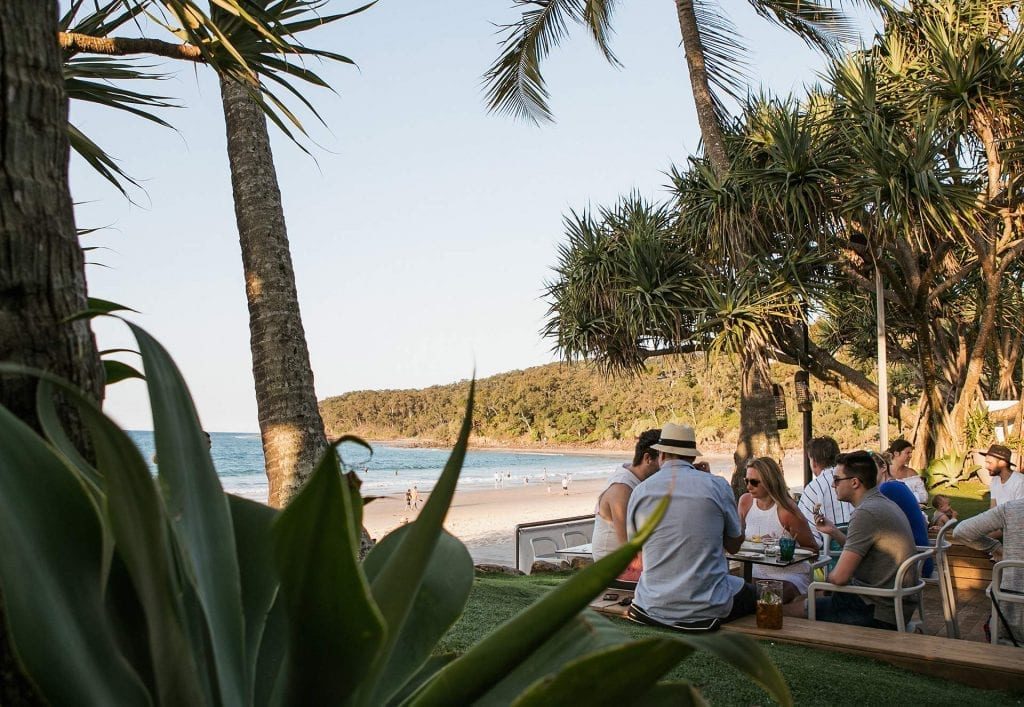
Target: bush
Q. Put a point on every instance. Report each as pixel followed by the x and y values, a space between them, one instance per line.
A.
pixel 122 589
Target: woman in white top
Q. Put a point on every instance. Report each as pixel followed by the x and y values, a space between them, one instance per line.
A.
pixel 899 454
pixel 767 509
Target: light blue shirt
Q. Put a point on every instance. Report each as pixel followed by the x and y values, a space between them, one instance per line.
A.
pixel 686 576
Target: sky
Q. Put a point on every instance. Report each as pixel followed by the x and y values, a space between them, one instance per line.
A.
pixel 422 228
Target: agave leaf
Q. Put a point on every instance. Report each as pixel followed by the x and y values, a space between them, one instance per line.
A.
pixel 252 522
pixel 440 600
pixel 273 654
pixel 335 630
pixel 428 670
pixel 746 656
pixel 51 575
pixel 486 663
pixel 397 582
pixel 199 515
pixel 139 529
pixel 52 427
pixel 598 678
pixel 587 633
pixel 116 371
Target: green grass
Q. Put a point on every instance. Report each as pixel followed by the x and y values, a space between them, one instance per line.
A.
pixel 969 498
pixel 815 677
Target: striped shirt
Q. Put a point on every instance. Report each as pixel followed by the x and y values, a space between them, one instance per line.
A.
pixel 820 491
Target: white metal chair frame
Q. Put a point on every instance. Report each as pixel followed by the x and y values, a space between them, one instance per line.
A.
pixel 897 592
pixel 996 593
pixel 944 579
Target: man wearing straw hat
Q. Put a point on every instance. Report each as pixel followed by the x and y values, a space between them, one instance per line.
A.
pixel 685 584
pixel 1005 484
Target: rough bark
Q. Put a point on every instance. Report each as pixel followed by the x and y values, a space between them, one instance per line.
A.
pixel 759 434
pixel 42 268
pixel 693 47
pixel 73 42
pixel 290 423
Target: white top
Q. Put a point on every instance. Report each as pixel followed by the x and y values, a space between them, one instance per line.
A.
pixel 1010 491
pixel 916 484
pixel 604 538
pixel 820 490
pixel 767 522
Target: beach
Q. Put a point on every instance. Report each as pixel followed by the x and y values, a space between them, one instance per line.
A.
pixel 485 519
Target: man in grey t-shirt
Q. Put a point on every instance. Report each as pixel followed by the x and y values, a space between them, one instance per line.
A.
pixel 686 580
pixel 877 542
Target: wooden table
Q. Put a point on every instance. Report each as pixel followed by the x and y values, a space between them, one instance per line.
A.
pixel 753 554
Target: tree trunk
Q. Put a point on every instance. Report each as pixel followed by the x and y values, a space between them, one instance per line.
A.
pixel 290 423
pixel 42 269
pixel 759 435
pixel 693 47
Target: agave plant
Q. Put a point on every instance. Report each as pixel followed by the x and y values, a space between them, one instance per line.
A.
pixel 125 589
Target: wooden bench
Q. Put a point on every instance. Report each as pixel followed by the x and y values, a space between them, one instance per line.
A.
pixel 971 569
pixel 976 664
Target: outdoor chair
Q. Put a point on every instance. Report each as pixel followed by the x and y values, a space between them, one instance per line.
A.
pixel 898 591
pixel 997 594
pixel 943 578
pixel 545 548
pixel 573 538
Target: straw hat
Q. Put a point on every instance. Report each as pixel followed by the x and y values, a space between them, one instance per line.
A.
pixel 677 439
pixel 1000 452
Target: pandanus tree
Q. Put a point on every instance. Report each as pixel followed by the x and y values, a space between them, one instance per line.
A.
pixel 714 59
pixel 930 116
pixel 252 51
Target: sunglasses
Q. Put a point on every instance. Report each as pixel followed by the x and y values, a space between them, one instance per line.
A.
pixel 837 479
pixel 753 482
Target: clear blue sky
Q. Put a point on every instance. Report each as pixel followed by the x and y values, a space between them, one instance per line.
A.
pixel 424 230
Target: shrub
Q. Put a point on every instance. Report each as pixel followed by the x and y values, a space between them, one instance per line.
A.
pixel 122 589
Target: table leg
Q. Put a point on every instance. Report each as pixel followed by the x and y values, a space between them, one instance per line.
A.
pixel 748 572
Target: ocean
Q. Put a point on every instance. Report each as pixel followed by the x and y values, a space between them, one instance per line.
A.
pixel 238 458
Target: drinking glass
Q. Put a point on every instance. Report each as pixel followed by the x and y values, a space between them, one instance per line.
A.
pixel 769 603
pixel 787 546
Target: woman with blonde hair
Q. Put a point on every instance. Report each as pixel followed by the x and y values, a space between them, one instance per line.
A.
pixel 767 510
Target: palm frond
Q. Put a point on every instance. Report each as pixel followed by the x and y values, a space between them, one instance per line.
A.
pixel 820 24
pixel 514 84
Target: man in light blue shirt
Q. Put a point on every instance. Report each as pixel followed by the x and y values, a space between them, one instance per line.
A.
pixel 686 582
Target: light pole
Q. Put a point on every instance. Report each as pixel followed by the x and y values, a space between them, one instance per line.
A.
pixel 883 370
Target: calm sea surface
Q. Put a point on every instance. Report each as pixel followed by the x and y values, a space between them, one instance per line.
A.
pixel 238 458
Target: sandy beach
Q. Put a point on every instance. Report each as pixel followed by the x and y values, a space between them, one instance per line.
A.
pixel 485 519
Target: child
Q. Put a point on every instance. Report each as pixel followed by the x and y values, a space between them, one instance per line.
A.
pixel 944 512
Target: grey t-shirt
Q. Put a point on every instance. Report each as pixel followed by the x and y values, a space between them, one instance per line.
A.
pixel 880 534
pixel 686 576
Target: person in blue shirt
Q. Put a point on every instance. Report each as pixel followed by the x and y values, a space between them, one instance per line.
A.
pixel 900 494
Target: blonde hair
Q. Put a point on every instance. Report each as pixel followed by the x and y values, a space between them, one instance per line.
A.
pixel 774 481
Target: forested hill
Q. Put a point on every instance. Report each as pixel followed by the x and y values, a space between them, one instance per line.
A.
pixel 576 404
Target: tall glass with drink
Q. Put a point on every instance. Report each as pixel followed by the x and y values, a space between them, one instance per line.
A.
pixel 769 603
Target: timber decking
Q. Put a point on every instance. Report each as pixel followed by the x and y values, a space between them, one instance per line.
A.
pixel 971 662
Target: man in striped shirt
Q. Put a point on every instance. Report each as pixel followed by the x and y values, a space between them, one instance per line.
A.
pixel 819 497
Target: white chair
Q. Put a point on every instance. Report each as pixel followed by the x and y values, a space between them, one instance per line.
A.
pixel 898 592
pixel 996 593
pixel 944 580
pixel 573 538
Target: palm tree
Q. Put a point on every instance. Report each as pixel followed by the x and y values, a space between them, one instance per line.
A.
pixel 247 50
pixel 714 60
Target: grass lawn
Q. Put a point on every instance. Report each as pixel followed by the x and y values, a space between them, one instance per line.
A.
pixel 814 677
pixel 969 498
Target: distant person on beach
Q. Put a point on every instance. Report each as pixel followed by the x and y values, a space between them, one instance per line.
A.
pixel 547 481
pixel 610 511
pixel 565 485
pixel 686 583
pixel 415 498
pixel 497 479
pixel 408 499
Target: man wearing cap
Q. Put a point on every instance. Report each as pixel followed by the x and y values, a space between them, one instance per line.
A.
pixel 1005 484
pixel 686 583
